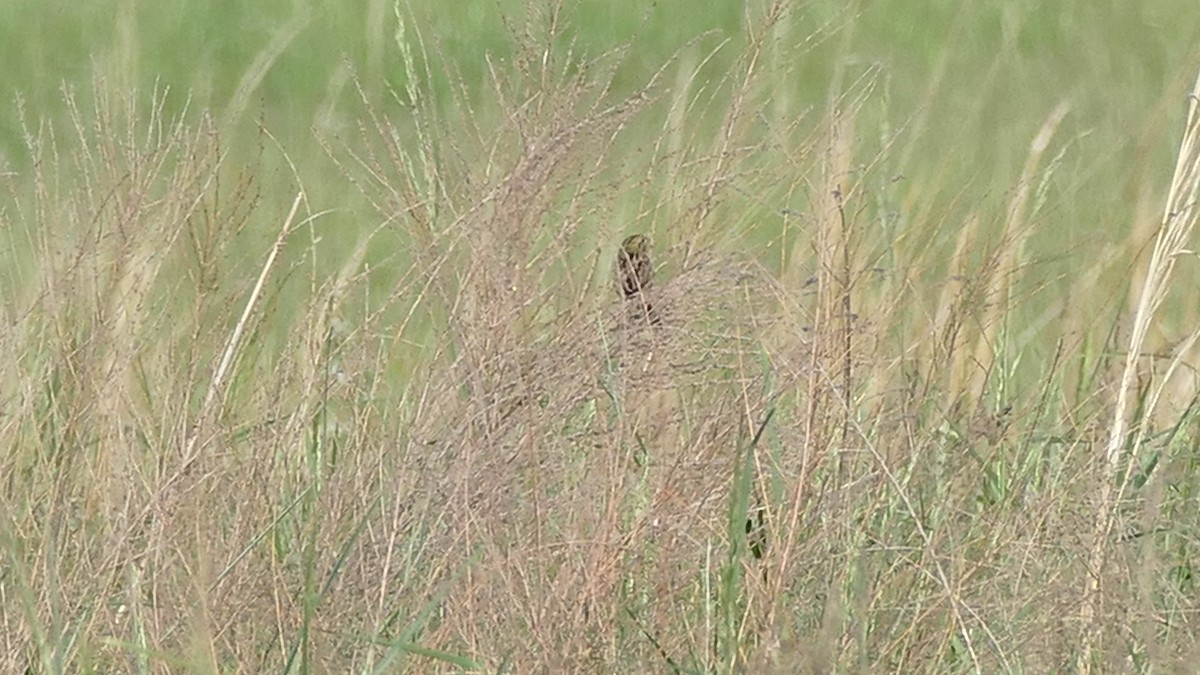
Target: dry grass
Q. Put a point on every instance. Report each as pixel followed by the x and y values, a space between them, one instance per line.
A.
pixel 213 464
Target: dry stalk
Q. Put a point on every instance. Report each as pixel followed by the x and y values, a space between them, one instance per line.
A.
pixel 1178 221
pixel 999 289
pixel 216 385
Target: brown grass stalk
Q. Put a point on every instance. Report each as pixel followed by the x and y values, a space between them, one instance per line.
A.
pixel 1121 453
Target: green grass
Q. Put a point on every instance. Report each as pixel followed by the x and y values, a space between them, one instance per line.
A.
pixel 312 361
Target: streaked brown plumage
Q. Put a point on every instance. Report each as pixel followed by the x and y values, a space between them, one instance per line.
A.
pixel 634 270
pixel 634 273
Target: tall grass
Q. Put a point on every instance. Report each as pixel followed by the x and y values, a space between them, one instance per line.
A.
pixel 881 426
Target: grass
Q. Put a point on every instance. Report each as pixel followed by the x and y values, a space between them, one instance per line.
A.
pixel 319 368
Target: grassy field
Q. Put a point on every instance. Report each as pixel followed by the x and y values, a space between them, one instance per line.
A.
pixel 313 362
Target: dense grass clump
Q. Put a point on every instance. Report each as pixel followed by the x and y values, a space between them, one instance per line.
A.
pixel 904 380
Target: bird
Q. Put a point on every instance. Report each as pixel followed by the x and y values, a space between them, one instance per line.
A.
pixel 634 275
pixel 634 270
pixel 756 531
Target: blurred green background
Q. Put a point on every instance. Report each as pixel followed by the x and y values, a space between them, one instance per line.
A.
pixel 998 68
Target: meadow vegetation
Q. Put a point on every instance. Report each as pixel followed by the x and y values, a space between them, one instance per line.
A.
pixel 312 359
